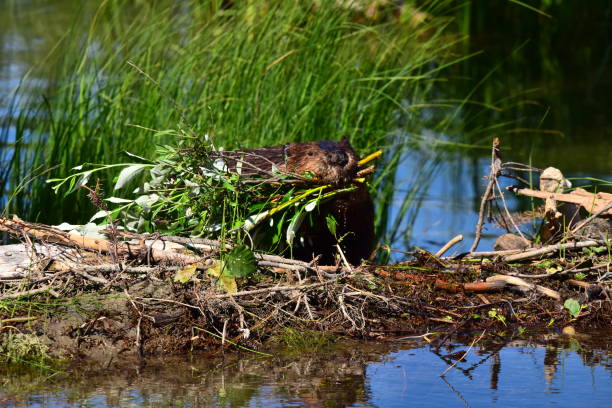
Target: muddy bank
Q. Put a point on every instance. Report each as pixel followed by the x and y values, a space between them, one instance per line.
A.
pixel 104 312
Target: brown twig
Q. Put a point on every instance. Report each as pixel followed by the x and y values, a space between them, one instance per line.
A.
pixel 495 169
pixel 449 245
pixel 51 234
pixel 550 249
pixel 272 289
pixel 25 293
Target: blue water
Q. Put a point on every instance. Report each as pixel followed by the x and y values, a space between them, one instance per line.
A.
pixel 525 379
pixel 527 374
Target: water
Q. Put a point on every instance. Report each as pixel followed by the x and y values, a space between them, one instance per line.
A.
pixel 540 372
pixel 573 99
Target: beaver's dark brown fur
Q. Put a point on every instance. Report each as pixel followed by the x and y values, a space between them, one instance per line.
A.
pixel 354 212
pixel 321 162
pixel 324 162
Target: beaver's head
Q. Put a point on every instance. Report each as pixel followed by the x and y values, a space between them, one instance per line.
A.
pixel 328 161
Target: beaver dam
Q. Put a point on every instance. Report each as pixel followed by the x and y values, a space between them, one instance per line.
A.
pixel 170 271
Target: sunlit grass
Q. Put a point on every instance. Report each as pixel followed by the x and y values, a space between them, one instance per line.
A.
pixel 262 73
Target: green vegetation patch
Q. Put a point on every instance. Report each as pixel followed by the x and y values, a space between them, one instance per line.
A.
pixel 303 339
pixel 23 348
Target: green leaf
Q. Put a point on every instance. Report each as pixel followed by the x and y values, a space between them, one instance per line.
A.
pixel 137 158
pixel 146 201
pixel 294 226
pixel 228 283
pixel 573 307
pixel 118 200
pixel 186 274
pixel 240 262
pixel 230 187
pixel 128 174
pixel 331 223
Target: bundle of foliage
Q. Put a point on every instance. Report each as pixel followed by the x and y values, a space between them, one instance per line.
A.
pixel 188 191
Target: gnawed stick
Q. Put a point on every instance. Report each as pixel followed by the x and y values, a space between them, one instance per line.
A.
pixel 591 202
pixel 513 280
pixel 449 244
pixel 54 235
pixel 470 286
pixel 550 249
pixel 495 283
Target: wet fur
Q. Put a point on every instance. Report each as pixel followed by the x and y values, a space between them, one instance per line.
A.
pixel 322 162
pixel 328 162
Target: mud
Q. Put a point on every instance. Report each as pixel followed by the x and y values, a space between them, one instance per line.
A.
pixel 153 315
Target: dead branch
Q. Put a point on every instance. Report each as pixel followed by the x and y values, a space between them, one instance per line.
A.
pixel 272 289
pixel 470 286
pixel 95 279
pixel 494 283
pixel 513 280
pixel 495 170
pixel 25 293
pixel 50 234
pixel 593 203
pixel 533 253
pixel 449 245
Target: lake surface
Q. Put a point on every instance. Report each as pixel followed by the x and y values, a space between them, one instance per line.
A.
pixel 546 371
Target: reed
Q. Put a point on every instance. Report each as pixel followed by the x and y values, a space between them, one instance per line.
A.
pixel 258 73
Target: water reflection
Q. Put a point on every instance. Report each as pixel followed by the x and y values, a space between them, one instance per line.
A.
pixel 549 370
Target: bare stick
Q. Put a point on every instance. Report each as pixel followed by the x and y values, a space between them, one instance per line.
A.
pixel 274 289
pixel 449 245
pixel 495 169
pixel 92 278
pixel 344 261
pixel 501 195
pixel 591 202
pixel 551 248
pixel 46 232
pixel 513 280
pixel 25 293
pixel 18 320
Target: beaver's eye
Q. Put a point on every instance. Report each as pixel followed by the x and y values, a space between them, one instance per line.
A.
pixel 311 153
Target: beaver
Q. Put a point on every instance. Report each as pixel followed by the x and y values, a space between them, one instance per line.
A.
pixel 321 162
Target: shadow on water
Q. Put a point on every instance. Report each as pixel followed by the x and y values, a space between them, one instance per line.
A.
pixel 536 371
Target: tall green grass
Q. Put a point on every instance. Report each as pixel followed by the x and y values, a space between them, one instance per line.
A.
pixel 256 73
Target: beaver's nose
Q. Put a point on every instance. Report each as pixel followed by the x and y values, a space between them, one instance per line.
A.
pixel 338 158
